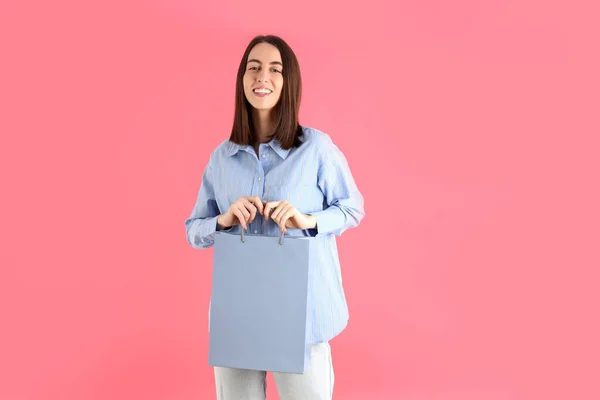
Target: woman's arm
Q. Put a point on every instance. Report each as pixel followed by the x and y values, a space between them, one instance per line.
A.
pixel 345 203
pixel 202 223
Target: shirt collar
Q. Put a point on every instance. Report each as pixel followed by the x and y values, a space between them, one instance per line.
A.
pixel 234 148
pixel 274 143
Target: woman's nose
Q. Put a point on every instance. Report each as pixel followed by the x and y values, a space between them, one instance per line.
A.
pixel 263 76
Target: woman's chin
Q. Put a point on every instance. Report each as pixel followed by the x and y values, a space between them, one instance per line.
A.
pixel 262 107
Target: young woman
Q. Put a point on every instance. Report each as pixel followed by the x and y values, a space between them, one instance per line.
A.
pixel 271 176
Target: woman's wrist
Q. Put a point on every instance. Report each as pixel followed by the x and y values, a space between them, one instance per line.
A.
pixel 220 225
pixel 312 221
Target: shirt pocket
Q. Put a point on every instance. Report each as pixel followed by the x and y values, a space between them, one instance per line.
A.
pixel 304 197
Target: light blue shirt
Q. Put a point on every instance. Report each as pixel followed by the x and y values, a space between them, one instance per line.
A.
pixel 316 179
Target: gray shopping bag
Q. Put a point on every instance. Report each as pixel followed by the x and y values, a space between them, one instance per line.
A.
pixel 259 314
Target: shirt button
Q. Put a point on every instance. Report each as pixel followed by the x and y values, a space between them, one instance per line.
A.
pixel 264 156
pixel 259 178
pixel 255 231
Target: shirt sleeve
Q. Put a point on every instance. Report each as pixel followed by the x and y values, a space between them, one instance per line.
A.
pixel 202 224
pixel 345 203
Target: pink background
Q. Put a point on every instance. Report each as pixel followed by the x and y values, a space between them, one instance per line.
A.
pixel 471 127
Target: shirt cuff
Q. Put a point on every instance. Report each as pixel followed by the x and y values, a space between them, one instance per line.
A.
pixel 222 230
pixel 328 221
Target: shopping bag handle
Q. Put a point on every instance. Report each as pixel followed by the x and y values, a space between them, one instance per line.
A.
pixel 280 237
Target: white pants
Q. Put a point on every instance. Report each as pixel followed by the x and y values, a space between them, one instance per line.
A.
pixel 315 384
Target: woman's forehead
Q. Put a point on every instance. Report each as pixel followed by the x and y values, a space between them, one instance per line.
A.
pixel 265 53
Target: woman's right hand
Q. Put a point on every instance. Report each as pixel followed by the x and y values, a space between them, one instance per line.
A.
pixel 243 211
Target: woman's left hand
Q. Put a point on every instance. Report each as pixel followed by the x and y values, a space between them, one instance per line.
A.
pixel 286 216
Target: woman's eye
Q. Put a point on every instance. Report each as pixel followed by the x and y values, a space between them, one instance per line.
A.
pixel 276 70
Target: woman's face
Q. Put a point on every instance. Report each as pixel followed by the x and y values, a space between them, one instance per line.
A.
pixel 263 78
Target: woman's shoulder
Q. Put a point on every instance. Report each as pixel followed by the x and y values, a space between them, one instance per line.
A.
pixel 223 149
pixel 322 144
pixel 314 136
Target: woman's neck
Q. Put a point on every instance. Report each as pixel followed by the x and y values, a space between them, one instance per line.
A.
pixel 263 125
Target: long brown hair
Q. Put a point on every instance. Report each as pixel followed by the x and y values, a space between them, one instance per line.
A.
pixel 287 128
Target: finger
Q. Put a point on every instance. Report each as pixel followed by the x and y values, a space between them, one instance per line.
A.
pixel 273 210
pixel 244 212
pixel 289 213
pixel 251 209
pixel 245 215
pixel 257 203
pixel 279 211
pixel 269 208
pixel 240 216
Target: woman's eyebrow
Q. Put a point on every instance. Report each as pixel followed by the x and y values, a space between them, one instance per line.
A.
pixel 258 61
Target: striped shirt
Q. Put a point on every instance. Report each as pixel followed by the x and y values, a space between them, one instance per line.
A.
pixel 316 179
